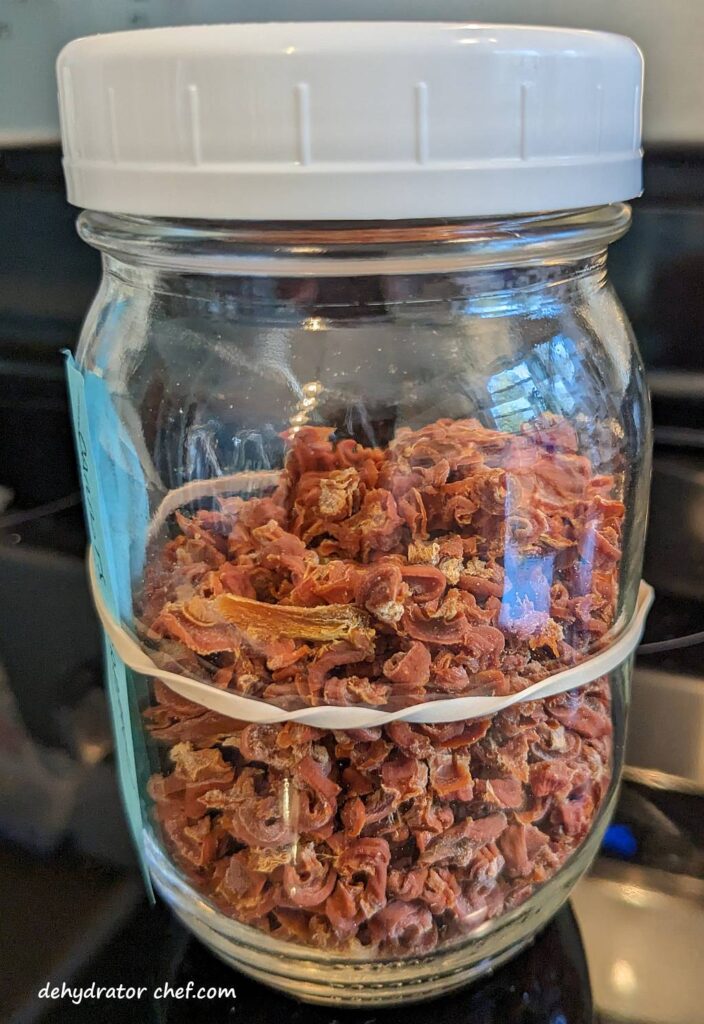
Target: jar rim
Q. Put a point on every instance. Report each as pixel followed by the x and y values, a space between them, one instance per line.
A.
pixel 354 248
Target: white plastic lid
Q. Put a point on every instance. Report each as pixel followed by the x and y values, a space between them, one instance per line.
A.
pixel 350 121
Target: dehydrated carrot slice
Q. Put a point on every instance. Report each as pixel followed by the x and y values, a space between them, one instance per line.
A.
pixel 324 624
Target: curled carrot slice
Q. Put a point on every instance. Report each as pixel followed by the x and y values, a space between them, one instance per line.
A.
pixel 325 623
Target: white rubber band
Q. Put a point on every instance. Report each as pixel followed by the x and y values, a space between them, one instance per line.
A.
pixel 238 484
pixel 452 709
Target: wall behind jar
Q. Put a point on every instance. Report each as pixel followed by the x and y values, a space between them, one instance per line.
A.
pixel 32 32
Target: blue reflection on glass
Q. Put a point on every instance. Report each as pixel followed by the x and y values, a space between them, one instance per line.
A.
pixel 528 579
pixel 515 398
pixel 549 380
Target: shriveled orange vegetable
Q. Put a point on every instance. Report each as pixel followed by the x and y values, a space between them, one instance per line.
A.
pixel 325 623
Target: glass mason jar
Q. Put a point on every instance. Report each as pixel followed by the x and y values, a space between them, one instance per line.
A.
pixel 353 477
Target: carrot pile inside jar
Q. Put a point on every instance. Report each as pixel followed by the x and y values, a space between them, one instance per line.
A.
pixel 458 561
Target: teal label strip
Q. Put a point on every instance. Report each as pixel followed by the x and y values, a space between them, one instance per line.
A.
pixel 89 481
pixel 116 672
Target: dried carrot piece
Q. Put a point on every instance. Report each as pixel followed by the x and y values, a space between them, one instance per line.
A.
pixel 324 624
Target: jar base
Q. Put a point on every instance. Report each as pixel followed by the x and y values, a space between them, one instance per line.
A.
pixel 357 993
